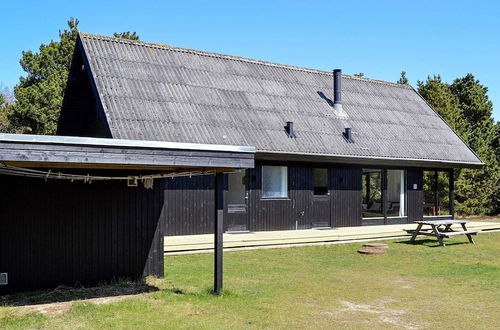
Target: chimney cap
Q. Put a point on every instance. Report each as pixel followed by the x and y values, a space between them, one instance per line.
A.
pixel 337 70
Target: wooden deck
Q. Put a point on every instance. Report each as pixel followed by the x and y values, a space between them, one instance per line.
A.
pixel 286 238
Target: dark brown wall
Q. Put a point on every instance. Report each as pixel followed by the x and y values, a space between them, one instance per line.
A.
pixel 346 197
pixel 80 114
pixel 189 206
pixel 269 214
pixel 191 201
pixel 415 196
pixel 58 232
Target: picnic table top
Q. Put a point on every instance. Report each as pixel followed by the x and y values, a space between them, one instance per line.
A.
pixel 441 222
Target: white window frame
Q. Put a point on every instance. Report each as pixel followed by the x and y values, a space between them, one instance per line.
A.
pixel 283 182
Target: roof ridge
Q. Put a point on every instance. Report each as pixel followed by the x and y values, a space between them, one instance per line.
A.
pixel 238 58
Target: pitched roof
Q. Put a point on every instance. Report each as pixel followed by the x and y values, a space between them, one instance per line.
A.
pixel 155 92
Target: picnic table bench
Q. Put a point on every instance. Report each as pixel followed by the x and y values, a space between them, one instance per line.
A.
pixel 441 229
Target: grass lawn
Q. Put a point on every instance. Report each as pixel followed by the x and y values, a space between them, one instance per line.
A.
pixel 411 286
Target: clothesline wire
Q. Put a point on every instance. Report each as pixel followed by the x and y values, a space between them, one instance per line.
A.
pixel 87 178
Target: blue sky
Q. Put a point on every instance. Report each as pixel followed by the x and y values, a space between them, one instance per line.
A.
pixel 378 38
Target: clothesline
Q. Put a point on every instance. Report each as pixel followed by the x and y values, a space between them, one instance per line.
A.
pixel 132 180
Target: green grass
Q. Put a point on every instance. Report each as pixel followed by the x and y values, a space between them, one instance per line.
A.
pixel 411 286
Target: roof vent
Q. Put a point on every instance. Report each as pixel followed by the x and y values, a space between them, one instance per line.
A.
pixel 337 94
pixel 348 135
pixel 289 130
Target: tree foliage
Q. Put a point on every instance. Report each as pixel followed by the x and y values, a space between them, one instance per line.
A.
pixel 5 107
pixel 40 93
pixel 126 35
pixel 465 106
pixel 403 80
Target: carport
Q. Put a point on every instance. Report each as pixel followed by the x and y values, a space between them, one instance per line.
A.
pixel 79 210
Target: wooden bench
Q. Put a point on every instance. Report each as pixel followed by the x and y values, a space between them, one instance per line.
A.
pixel 453 233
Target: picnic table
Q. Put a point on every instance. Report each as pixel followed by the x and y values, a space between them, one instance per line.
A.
pixel 441 229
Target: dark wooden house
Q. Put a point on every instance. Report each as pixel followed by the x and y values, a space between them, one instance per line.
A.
pixel 332 150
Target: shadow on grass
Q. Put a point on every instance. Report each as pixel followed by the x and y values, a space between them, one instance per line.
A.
pixel 65 293
pixel 430 243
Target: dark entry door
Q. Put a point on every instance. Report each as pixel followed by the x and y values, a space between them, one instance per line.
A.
pixel 321 199
pixel 236 198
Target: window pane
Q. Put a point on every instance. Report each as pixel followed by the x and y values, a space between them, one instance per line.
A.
pixel 320 181
pixel 274 182
pixel 236 188
pixel 396 193
pixel 436 204
pixel 372 193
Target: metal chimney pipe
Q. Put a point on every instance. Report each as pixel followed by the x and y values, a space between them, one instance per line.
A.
pixel 337 86
pixel 348 134
pixel 289 129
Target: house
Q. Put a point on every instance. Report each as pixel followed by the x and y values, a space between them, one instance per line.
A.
pixel 332 150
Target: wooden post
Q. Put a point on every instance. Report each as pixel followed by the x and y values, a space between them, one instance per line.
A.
pixel 451 192
pixel 436 195
pixel 384 194
pixel 219 229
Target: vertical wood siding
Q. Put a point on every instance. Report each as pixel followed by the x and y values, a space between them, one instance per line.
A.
pixel 415 197
pixel 189 206
pixel 57 232
pixel 345 185
pixel 268 214
pixel 79 112
pixel 190 202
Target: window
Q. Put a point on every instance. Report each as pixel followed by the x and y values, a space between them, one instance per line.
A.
pixel 320 181
pixel 274 182
pixel 436 193
pixel 372 193
pixel 396 193
pixel 236 188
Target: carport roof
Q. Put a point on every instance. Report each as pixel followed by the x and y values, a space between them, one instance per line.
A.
pixel 84 152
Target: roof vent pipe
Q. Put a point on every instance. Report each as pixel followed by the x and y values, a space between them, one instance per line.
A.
pixel 337 90
pixel 348 135
pixel 289 129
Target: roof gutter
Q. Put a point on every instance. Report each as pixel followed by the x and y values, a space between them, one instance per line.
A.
pixel 363 160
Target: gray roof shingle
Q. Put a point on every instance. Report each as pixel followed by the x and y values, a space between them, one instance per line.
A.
pixel 154 92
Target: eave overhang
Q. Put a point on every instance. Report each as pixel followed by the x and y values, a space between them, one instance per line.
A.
pixel 83 152
pixel 363 160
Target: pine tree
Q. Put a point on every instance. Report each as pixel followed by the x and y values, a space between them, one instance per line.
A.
pixel 439 95
pixel 464 105
pixel 403 80
pixel 5 126
pixel 126 35
pixel 39 95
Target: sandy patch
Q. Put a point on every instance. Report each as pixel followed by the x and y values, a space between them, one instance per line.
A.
pixel 395 317
pixel 61 307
